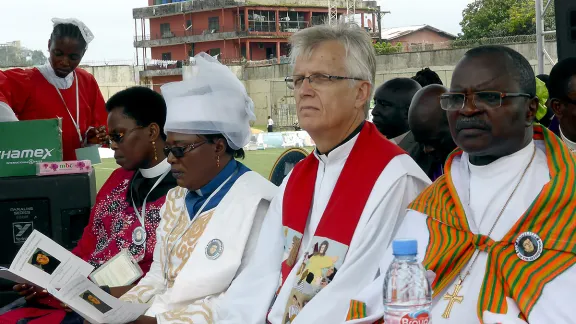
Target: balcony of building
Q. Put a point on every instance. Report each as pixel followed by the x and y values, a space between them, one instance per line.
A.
pixel 181 7
pixel 159 68
pixel 167 38
pixel 284 23
pixel 248 23
pixel 164 8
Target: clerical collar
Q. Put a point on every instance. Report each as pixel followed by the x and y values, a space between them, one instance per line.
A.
pixel 571 145
pixel 157 170
pixel 351 136
pixel 502 165
pixel 61 83
pixel 211 186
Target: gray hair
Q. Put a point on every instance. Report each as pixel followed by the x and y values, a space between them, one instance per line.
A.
pixel 360 55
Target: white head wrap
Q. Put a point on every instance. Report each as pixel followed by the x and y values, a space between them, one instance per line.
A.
pixel 86 33
pixel 211 101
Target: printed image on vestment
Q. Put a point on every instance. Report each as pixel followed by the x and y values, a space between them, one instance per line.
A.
pixel 318 268
pixel 292 241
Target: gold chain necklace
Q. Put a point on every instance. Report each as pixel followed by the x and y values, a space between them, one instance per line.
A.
pixel 454 298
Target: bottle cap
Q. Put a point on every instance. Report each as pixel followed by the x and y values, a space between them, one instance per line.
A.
pixel 405 247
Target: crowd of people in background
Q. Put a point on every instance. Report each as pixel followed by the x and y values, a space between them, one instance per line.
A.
pixel 480 172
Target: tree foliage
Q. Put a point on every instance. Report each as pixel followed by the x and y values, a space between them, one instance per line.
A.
pixel 38 57
pixel 387 48
pixel 12 56
pixel 499 18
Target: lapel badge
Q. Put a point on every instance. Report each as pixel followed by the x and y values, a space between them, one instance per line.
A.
pixel 214 249
pixel 528 246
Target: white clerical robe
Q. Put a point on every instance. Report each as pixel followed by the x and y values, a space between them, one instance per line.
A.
pixel 248 299
pixel 214 248
pixel 483 191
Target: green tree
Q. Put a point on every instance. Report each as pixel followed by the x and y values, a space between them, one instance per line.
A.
pixel 497 18
pixel 38 58
pixel 383 47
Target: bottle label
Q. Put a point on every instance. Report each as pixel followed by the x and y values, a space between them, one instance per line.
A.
pixel 421 317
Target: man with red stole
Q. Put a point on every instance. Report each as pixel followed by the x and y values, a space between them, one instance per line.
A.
pixel 339 207
pixel 498 228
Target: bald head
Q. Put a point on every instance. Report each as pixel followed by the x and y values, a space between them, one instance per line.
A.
pixel 428 122
pixel 425 110
pixel 392 101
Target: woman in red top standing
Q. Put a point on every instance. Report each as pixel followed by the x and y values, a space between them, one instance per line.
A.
pixel 58 89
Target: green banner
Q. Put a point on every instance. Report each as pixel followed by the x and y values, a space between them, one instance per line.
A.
pixel 25 143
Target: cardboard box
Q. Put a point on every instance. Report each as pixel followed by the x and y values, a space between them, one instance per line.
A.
pixel 25 143
pixel 64 167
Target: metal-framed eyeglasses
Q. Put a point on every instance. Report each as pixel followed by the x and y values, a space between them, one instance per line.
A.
pixel 118 137
pixel 316 80
pixel 179 151
pixel 453 101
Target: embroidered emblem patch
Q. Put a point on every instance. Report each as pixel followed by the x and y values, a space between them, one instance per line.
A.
pixel 214 249
pixel 528 246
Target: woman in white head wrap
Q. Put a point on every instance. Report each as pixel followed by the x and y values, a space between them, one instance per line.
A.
pixel 210 223
pixel 58 89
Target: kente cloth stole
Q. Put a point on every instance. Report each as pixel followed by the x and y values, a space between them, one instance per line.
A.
pixel 551 216
pixel 370 155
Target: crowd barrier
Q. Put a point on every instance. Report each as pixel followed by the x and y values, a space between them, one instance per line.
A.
pixel 262 141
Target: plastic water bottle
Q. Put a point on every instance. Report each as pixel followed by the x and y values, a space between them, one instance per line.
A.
pixel 407 292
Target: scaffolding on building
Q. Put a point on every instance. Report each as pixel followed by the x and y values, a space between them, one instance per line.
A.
pixel 541 52
pixel 350 10
pixel 333 12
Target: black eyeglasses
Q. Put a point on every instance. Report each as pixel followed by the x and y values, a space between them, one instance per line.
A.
pixel 454 101
pixel 118 137
pixel 316 80
pixel 179 151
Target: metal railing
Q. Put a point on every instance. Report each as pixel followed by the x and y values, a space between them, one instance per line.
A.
pixel 469 43
pixel 107 63
pixel 283 28
pixel 167 65
pixel 406 48
pixel 233 61
pixel 164 65
pixel 181 7
pixel 272 61
pixel 185 33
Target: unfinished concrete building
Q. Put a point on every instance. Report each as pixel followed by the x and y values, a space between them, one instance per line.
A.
pixel 236 31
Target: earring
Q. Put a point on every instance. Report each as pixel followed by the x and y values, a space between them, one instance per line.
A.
pixel 155 153
pixel 218 161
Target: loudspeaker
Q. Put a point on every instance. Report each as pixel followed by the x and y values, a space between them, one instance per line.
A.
pixel 566 28
pixel 57 206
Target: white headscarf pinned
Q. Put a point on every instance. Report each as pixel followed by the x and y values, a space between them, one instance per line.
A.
pixel 212 101
pixel 86 33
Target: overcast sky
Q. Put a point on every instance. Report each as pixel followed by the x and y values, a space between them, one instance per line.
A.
pixel 111 21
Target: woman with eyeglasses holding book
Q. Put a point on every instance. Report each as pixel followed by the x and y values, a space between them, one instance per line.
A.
pixel 127 208
pixel 210 223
